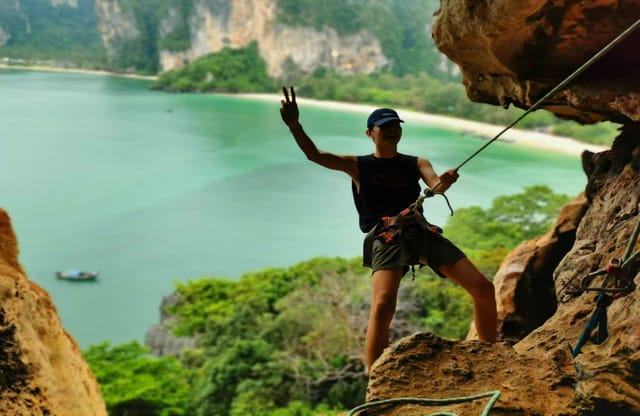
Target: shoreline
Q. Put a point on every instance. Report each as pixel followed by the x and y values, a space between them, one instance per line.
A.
pixel 528 138
pixel 45 68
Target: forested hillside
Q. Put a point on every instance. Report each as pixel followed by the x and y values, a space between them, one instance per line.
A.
pixel 35 30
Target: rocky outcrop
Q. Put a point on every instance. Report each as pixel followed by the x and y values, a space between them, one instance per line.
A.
pixel 42 371
pixel 524 285
pixel 512 53
pixel 160 337
pixel 442 369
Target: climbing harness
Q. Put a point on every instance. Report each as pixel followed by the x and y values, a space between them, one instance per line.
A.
pixel 431 192
pixel 390 227
pixel 494 395
pixel 622 271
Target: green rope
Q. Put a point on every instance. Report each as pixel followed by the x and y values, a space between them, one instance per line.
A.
pixel 632 241
pixel 415 400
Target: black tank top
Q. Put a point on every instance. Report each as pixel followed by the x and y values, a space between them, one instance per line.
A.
pixel 387 186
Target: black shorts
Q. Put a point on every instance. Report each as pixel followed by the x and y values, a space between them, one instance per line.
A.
pixel 415 246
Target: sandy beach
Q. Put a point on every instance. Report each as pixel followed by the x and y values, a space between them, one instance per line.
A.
pixel 75 70
pixel 473 128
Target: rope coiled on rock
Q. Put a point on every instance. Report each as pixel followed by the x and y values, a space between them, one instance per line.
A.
pixel 415 400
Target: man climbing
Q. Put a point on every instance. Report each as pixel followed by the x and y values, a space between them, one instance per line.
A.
pixel 385 184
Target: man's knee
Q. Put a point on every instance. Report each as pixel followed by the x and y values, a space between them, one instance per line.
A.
pixel 383 307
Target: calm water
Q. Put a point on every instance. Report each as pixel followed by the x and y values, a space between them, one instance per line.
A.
pixel 149 188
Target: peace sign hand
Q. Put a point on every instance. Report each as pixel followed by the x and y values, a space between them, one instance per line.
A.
pixel 289 110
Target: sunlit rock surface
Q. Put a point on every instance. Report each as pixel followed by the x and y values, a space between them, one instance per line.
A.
pixel 42 371
pixel 514 52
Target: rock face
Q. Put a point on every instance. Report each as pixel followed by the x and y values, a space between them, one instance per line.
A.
pixel 42 371
pixel 515 52
pixel 235 24
pixel 160 336
pixel 241 22
pixel 450 369
pixel 522 49
pixel 115 24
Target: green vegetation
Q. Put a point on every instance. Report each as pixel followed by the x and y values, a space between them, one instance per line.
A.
pixel 289 341
pixel 602 133
pixel 66 35
pixel 140 52
pixel 133 383
pixel 421 92
pixel 159 24
pixel 242 70
pixel 399 25
pixel 488 235
pixel 230 70
pixel 178 38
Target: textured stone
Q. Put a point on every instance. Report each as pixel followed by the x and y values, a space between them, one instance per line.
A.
pixel 425 366
pixel 160 337
pixel 235 24
pixel 514 52
pixel 42 371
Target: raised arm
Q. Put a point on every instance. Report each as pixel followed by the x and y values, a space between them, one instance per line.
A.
pixel 291 117
pixel 438 184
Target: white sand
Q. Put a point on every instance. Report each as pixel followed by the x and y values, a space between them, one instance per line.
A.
pixel 520 137
pixel 75 70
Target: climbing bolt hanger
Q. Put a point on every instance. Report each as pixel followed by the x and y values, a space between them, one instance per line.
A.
pixel 622 272
pixel 618 274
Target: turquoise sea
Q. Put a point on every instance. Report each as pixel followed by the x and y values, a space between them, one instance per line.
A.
pixel 150 188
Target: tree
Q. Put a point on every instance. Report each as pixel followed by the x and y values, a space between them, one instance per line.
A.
pixel 487 235
pixel 134 383
pixel 509 221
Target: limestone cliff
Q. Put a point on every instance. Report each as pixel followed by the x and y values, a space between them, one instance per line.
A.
pixel 115 24
pixel 214 25
pixel 42 371
pixel 513 53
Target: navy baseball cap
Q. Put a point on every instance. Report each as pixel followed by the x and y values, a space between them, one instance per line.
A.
pixel 381 116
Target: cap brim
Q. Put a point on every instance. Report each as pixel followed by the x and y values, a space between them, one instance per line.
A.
pixel 386 120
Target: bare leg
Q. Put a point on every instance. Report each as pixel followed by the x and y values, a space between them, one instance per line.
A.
pixel 383 307
pixel 485 316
